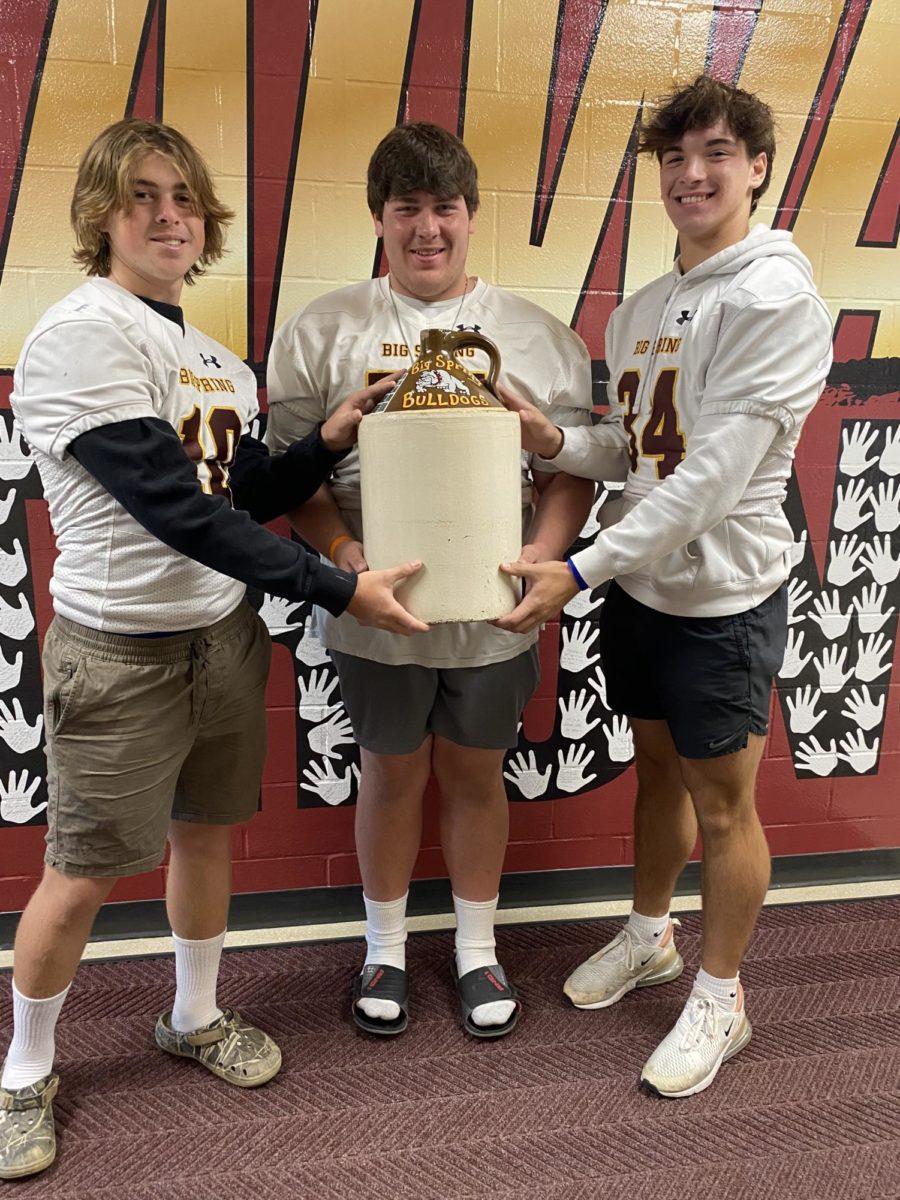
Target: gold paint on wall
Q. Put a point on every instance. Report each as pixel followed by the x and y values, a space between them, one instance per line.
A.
pixel 77 99
pixel 644 49
pixel 351 102
pixel 205 96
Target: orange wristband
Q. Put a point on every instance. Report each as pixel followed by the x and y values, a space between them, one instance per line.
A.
pixel 335 542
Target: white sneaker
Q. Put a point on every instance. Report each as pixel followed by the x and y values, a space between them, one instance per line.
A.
pixel 688 1058
pixel 621 965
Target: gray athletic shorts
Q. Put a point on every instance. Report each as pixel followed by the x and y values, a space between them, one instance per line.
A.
pixel 144 730
pixel 394 708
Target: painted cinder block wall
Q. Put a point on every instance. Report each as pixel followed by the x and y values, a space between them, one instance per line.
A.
pixel 287 99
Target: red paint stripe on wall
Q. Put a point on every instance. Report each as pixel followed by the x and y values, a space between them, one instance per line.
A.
pixel 577 29
pixel 730 32
pixel 25 41
pixel 836 66
pixel 882 222
pixel 602 289
pixel 435 75
pixel 280 47
pixel 145 93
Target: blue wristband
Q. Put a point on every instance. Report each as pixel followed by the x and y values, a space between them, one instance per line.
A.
pixel 576 575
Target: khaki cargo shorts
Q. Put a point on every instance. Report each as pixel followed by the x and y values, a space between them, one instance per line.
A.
pixel 144 730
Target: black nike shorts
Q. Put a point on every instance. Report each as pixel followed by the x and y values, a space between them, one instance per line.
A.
pixel 708 678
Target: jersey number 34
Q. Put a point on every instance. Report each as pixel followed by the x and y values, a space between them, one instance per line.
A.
pixel 661 437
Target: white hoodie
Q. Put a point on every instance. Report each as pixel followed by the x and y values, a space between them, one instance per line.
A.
pixel 712 374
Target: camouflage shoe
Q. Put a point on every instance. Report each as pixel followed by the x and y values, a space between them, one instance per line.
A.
pixel 27 1134
pixel 228 1046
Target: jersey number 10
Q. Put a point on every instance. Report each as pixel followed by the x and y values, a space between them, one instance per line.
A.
pixel 223 432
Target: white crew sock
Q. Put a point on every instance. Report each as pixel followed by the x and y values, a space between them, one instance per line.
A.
pixel 196 976
pixel 385 944
pixel 726 991
pixel 475 947
pixel 648 930
pixel 30 1054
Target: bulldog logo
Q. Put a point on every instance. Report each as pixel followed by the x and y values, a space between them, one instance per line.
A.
pixel 440 381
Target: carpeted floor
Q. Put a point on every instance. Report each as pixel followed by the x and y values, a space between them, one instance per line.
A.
pixel 810 1110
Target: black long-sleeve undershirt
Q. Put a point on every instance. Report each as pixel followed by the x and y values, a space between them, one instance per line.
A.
pixel 143 465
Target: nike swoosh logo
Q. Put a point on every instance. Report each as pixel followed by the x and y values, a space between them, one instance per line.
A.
pixel 728 1030
pixel 645 961
pixel 717 745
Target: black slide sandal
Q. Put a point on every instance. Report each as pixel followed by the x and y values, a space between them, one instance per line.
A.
pixel 483 986
pixel 380 983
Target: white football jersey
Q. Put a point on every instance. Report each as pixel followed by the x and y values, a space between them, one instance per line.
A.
pixel 712 374
pixel 353 337
pixel 99 356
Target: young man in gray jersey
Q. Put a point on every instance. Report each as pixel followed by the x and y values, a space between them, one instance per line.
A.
pixel 713 370
pixel 446 702
pixel 155 666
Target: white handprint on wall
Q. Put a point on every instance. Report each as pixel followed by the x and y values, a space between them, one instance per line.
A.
pixel 856 441
pixel 524 774
pixel 794 660
pixel 857 753
pixel 812 756
pixel 862 710
pixel 889 463
pixel 575 713
pixel 830 666
pixel 887 507
pixel 309 649
pixel 869 656
pixel 879 560
pixel 276 612
pixel 6 505
pixel 18 734
pixel 851 498
pixel 326 784
pixel 15 622
pixel 869 606
pixel 333 733
pixel 584 603
pixel 10 672
pixel 620 740
pixel 15 463
pixel 315 697
pixel 13 567
pixel 830 616
pixel 16 798
pixel 797 595
pixel 576 644
pixel 802 707
pixel 842 567
pixel 798 549
pixel 572 766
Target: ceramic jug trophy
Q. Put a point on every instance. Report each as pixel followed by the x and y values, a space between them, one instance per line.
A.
pixel 440 466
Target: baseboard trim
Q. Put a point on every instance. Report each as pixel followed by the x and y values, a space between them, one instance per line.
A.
pixel 522 889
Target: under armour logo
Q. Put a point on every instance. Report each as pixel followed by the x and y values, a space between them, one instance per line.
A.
pixel 686 316
pixel 212 361
pixel 469 328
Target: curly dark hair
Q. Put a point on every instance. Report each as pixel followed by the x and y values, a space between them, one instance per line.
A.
pixel 421 157
pixel 705 102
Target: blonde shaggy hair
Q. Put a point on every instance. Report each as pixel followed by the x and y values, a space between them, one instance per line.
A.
pixel 105 177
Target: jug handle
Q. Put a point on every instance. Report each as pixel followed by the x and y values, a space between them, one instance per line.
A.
pixel 461 339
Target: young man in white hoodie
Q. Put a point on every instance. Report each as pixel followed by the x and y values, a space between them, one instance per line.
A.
pixel 713 369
